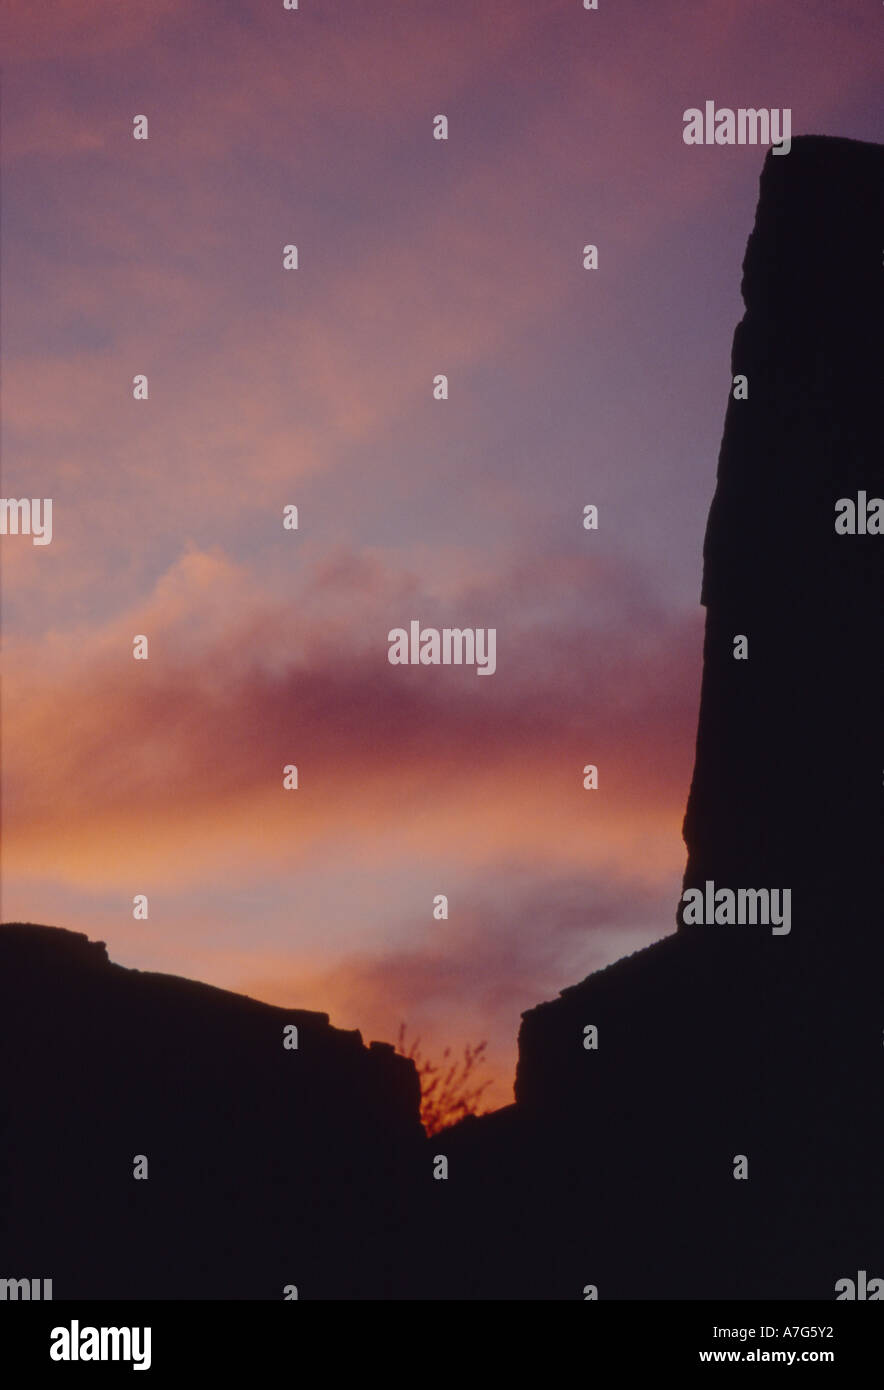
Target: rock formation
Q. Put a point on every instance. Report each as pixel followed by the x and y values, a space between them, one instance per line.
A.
pixel 268 1166
pixel 617 1163
pixel 788 779
pixel 721 1049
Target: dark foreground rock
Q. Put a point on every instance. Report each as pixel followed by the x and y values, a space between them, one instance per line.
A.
pixel 268 1165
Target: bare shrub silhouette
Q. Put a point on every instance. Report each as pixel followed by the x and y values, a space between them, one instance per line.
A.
pixel 450 1090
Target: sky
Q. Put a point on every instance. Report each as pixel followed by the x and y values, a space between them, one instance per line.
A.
pixel 314 387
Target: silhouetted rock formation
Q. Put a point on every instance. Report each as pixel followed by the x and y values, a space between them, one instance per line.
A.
pixel 787 783
pixel 617 1164
pixel 615 1167
pixel 267 1166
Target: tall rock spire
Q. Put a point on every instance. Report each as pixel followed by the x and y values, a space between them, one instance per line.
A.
pixel 787 786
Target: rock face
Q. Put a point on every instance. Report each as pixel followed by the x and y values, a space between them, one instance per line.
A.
pixel 267 1166
pixel 788 779
pixel 723 1048
pixel 616 1166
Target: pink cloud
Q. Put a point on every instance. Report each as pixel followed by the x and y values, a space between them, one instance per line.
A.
pixel 237 686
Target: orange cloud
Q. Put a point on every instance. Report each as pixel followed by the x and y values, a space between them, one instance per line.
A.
pixel 177 762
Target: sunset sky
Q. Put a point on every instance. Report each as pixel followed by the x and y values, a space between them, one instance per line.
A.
pixel 314 387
